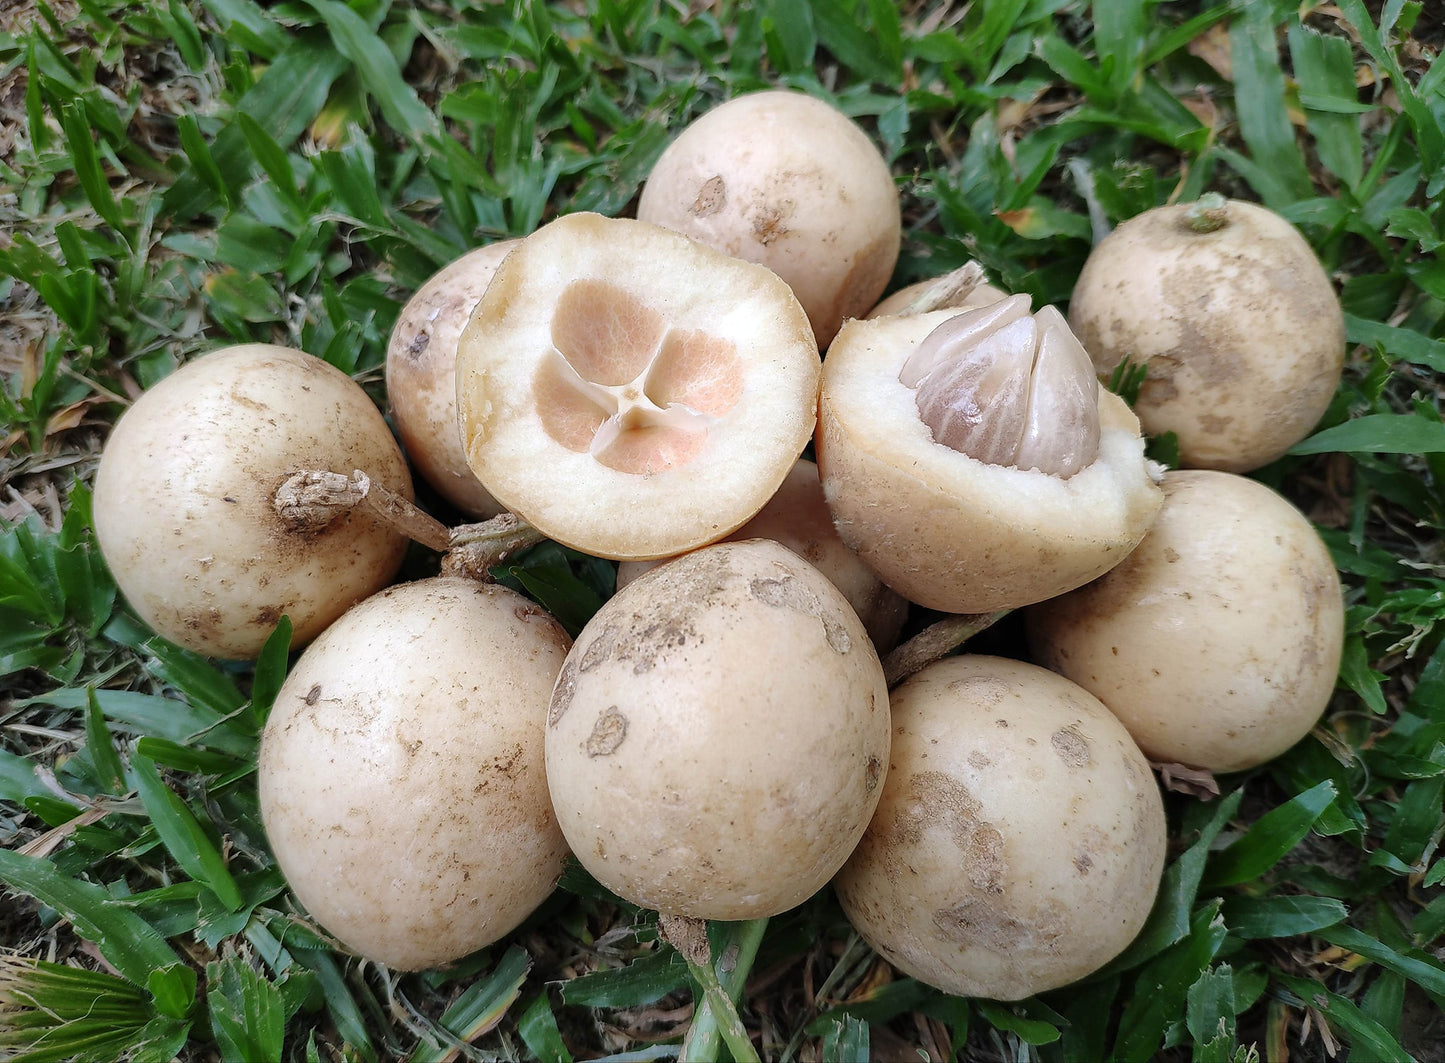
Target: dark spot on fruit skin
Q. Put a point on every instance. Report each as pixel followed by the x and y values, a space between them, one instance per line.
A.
pixel 608 733
pixel 1072 746
pixel 977 922
pixel 711 197
pixel 563 693
pixel 874 773
pixel 788 592
pixel 314 694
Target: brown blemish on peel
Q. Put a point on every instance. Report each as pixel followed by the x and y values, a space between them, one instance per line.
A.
pixel 608 733
pixel 711 197
pixel 787 592
pixel 563 693
pixel 1071 746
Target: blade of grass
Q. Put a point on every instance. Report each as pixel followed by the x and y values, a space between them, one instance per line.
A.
pixel 128 942
pixel 88 170
pixel 1269 838
pixel 1210 1015
pixel 1377 433
pixel 1281 176
pixel 1325 69
pixel 246 1010
pixel 378 69
pixel 538 1029
pixel 1428 975
pixel 1364 1033
pixel 182 834
pixel 1280 917
pixel 481 1007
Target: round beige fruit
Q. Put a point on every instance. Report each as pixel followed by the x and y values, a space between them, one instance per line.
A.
pixel 1216 642
pixel 786 180
pixel 401 778
pixel 931 436
pixel 1020 838
pixel 421 376
pixel 1239 327
pixel 632 393
pixel 798 517
pixel 718 735
pixel 183 499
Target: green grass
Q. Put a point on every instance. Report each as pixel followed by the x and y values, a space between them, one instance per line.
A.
pixel 176 175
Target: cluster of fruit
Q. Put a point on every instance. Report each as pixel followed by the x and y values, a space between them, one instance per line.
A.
pixel 720 740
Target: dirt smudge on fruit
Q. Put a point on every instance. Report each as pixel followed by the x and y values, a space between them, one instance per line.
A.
pixel 872 774
pixel 985 859
pixel 608 733
pixel 976 922
pixel 787 593
pixel 935 798
pixel 1071 746
pixel 563 693
pixel 711 197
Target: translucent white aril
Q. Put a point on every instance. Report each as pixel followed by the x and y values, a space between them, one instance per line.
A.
pixel 1008 388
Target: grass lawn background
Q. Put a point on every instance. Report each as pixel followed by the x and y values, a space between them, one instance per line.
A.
pixel 176 175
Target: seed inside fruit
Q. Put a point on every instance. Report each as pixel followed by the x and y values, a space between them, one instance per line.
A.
pixel 1008 388
pixel 622 385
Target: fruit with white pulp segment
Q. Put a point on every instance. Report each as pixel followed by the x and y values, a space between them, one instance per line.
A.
pixel 971 460
pixel 631 393
pixel 1008 388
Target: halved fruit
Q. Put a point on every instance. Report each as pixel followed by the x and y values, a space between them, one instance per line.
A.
pixel 630 393
pixel 967 464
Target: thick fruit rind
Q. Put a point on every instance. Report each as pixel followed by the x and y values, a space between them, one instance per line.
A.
pixel 630 393
pixel 948 531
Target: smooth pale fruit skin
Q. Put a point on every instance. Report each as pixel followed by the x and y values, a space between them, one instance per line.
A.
pixel 1020 838
pixel 1241 331
pixel 798 517
pixel 1217 641
pixel 717 737
pixel 749 440
pixel 950 532
pixel 183 499
pixel 421 376
pixel 401 778
pixel 788 181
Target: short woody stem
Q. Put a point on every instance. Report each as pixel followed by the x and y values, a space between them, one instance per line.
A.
pixel 473 549
pixel 937 640
pixel 1209 214
pixel 313 499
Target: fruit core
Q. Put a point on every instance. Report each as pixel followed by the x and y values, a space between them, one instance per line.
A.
pixel 1008 388
pixel 622 384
